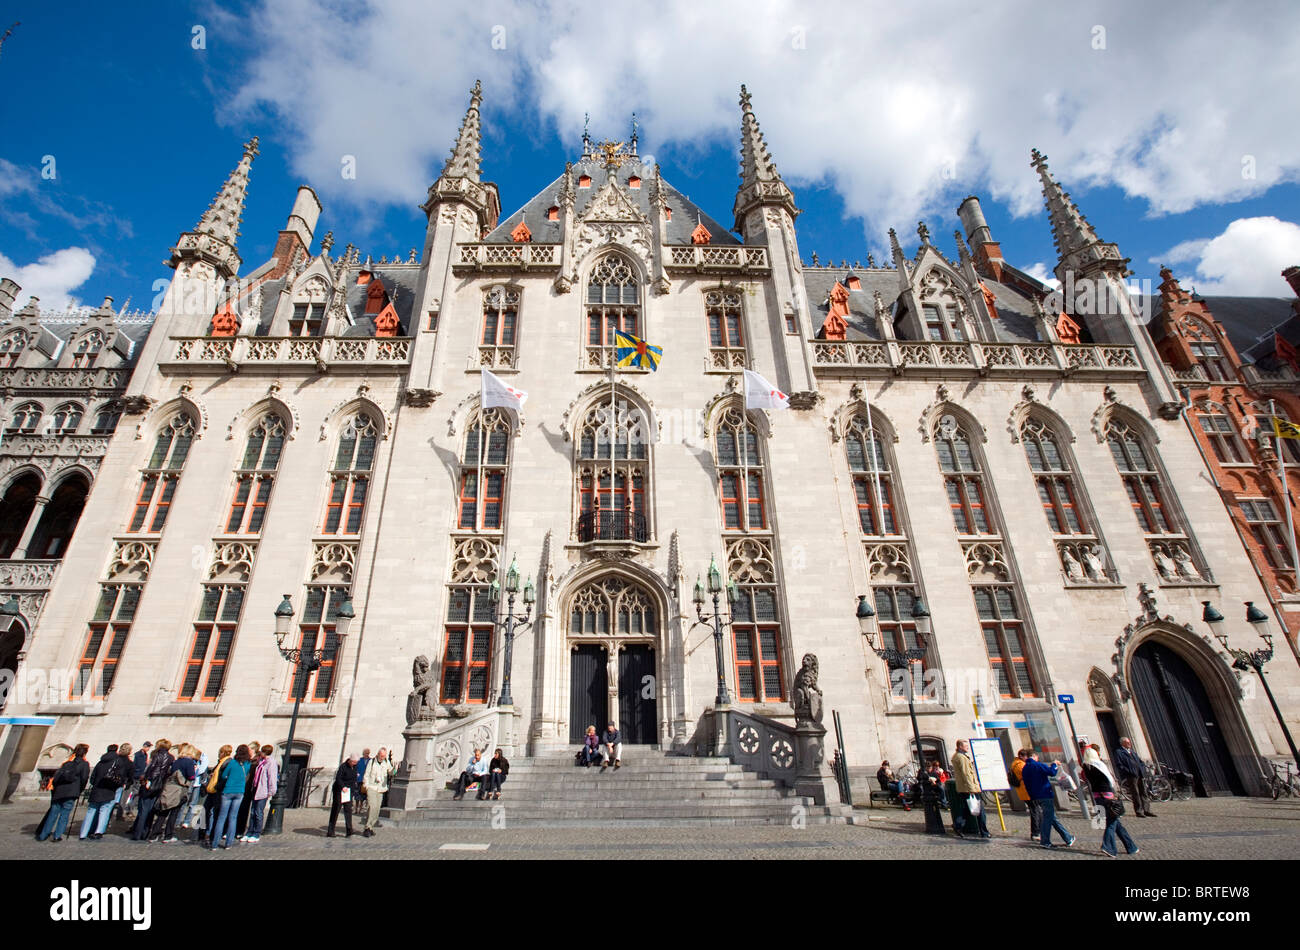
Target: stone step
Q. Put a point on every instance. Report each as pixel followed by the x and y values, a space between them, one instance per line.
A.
pixel 550 821
pixel 665 812
pixel 650 796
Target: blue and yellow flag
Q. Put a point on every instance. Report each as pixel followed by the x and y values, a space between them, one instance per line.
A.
pixel 631 351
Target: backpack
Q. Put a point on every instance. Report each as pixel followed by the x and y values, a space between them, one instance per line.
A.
pixel 115 777
pixel 216 775
pixel 1011 777
pixel 156 774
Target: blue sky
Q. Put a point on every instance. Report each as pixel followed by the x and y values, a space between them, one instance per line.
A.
pixel 1168 124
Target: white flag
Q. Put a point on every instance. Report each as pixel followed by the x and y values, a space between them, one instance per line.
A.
pixel 497 392
pixel 760 394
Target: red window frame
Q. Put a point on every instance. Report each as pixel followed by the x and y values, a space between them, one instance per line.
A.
pixel 969 514
pixel 467 646
pixel 762 663
pixel 105 641
pixel 343 500
pixel 1007 664
pixel 875 523
pixel 1056 492
pixel 248 506
pixel 150 499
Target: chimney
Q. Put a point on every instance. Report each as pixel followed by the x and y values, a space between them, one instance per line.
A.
pixel 986 251
pixel 1292 275
pixel 8 293
pixel 298 230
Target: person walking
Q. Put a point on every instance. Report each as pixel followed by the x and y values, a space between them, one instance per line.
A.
pixel 498 770
pixel 968 787
pixel 1131 774
pixel 106 780
pixel 151 785
pixel 1022 793
pixel 1106 798
pixel 231 781
pixel 65 788
pixel 378 774
pixel 1038 783
pixel 362 764
pixel 611 746
pixel 266 779
pixel 476 770
pixel 345 780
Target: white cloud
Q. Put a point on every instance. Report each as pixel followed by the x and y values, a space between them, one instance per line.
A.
pixel 1247 259
pixel 847 93
pixel 1044 274
pixel 52 278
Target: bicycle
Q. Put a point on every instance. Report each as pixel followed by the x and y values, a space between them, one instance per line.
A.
pixel 1156 785
pixel 1278 784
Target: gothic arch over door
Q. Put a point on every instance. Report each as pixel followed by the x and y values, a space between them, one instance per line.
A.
pixel 1183 719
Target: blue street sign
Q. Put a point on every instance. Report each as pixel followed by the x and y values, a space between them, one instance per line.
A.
pixel 1065 698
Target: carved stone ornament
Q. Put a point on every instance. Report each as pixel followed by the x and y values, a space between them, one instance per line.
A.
pixel 135 405
pixel 807 696
pixel 421 702
pixel 419 398
pixel 806 399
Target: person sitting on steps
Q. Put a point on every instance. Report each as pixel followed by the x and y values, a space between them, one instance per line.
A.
pixel 476 770
pixel 611 745
pixel 590 750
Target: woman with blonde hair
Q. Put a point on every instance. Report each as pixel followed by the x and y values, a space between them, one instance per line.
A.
pixel 1107 799
pixel 212 793
pixel 175 788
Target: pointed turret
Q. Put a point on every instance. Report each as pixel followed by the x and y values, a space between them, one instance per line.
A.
pixel 213 238
pixel 760 183
pixel 461 178
pixel 1077 245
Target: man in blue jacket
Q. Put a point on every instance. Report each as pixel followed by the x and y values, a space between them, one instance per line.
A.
pixel 1130 776
pixel 1037 779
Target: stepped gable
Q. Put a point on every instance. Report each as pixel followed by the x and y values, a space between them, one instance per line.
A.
pixel 545 231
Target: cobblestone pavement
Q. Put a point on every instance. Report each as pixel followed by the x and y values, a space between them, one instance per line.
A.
pixel 1204 829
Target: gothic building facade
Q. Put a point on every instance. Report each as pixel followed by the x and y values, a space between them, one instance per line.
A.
pixel 312 429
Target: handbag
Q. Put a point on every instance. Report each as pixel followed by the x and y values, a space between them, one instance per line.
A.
pixel 1113 805
pixel 174 790
pixel 973 804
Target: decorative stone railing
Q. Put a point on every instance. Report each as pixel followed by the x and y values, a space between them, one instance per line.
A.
pixel 522 256
pixel 755 743
pixel 705 259
pixel 437 749
pixel 1285 378
pixel 28 575
pixel 21 379
pixel 926 358
pixel 494 357
pixel 1194 375
pixel 319 353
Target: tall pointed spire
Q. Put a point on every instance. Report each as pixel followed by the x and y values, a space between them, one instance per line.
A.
pixel 1077 244
pixel 760 183
pixel 467 155
pixel 213 238
pixel 461 179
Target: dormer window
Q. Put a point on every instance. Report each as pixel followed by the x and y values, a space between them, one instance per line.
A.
pixel 1210 356
pixel 87 350
pixel 308 319
pixel 584 181
pixel 939 325
pixel 634 182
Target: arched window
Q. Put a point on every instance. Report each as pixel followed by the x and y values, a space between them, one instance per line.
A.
pixel 963 479
pixel 470 620
pixel 873 482
pixel 484 464
pixel 256 476
pixel 941 309
pixel 25 418
pixel 612 474
pixel 106 419
pixel 757 643
pixel 1142 481
pixel 500 324
pixel 66 419
pixel 1221 433
pixel 11 348
pixel 214 637
pixel 87 349
pixel 1065 504
pixel 723 313
pixel 308 317
pixel 740 473
pixel 59 520
pixel 613 304
pixel 162 474
pixel 350 477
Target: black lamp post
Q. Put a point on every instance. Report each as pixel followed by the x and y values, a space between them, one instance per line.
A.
pixel 900 659
pixel 1251 659
pixel 509 620
pixel 715 588
pixel 306 661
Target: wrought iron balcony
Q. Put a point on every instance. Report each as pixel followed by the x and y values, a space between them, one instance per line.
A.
pixel 607 525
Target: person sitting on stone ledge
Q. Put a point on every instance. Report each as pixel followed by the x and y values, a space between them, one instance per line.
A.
pixel 498 771
pixel 476 770
pixel 590 750
pixel 890 784
pixel 611 746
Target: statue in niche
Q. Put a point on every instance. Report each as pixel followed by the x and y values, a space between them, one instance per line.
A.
pixel 1096 567
pixel 1073 571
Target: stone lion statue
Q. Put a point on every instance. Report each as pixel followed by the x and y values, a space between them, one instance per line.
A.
pixel 807 697
pixel 421 703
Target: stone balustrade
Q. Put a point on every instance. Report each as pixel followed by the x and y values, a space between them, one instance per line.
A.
pixel 926 358
pixel 237 352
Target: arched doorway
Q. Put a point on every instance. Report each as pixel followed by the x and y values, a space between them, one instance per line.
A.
pixel 59 520
pixel 11 644
pixel 1110 720
pixel 1184 729
pixel 613 632
pixel 15 508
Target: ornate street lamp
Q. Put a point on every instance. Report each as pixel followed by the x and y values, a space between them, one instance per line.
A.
pixel 1251 659
pixel 306 662
pixel 512 622
pixel 900 659
pixel 717 617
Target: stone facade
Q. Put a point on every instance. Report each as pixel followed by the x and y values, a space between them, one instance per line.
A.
pixel 369 372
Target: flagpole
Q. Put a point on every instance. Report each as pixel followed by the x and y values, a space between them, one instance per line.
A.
pixel 1286 489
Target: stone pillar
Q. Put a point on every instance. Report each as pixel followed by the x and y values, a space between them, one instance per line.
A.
pixel 416 780
pixel 809 745
pixel 33 520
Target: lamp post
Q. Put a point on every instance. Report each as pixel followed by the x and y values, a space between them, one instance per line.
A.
pixel 715 589
pixel 1251 659
pixel 305 661
pixel 509 620
pixel 900 659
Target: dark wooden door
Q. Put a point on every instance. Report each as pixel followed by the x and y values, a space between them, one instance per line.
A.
pixel 636 694
pixel 588 691
pixel 1109 734
pixel 1180 721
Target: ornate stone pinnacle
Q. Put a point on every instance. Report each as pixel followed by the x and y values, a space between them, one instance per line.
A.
pixel 923 232
pixel 327 242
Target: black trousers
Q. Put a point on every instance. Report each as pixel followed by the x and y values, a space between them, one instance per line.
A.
pixel 1141 804
pixel 467 779
pixel 346 807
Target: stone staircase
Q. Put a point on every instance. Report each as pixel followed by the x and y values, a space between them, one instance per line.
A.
pixel 651 789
